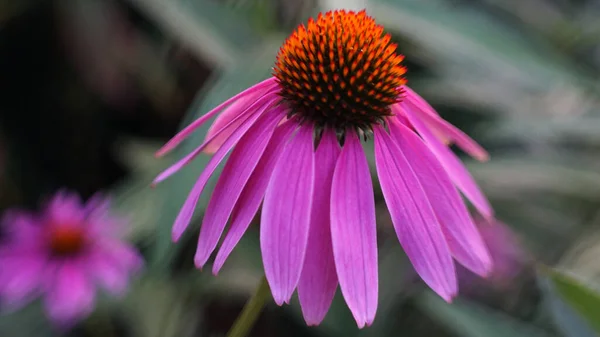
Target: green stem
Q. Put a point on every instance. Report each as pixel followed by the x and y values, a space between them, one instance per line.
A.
pixel 245 321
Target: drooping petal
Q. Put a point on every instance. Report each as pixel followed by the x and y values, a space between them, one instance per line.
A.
pixel 70 296
pixel 107 272
pixel 353 231
pixel 253 193
pixel 415 223
pixel 319 279
pixel 265 85
pixel 459 174
pixel 248 115
pixel 20 277
pixel 185 215
pixel 445 129
pixel 236 172
pixel 285 216
pixel 221 128
pixel 126 256
pixel 464 241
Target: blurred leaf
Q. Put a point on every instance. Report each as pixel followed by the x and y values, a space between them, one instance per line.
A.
pixel 134 198
pixel 566 319
pixel 467 319
pixel 161 308
pixel 29 321
pixel 486 45
pixel 210 29
pixel 585 301
pixel 255 69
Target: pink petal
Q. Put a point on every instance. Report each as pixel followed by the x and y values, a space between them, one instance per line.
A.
pixel 66 208
pixel 459 174
pixel 221 128
pixel 108 272
pixel 253 193
pixel 353 231
pixel 286 215
pixel 319 280
pixel 247 115
pixel 70 296
pixel 126 256
pixel 22 227
pixel 185 215
pixel 464 241
pixel 416 225
pixel 447 130
pixel 265 85
pixel 20 277
pixel 236 172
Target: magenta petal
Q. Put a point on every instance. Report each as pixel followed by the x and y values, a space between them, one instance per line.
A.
pixel 464 241
pixel 20 277
pixel 459 174
pixel 185 215
pixel 236 172
pixel 286 215
pixel 252 195
pixel 245 116
pixel 446 129
pixel 353 231
pixel 70 295
pixel 126 256
pixel 183 134
pixel 416 225
pixel 319 280
pixel 222 127
pixel 21 227
pixel 108 273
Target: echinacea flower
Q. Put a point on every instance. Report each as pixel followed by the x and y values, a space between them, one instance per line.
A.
pixel 63 254
pixel 295 142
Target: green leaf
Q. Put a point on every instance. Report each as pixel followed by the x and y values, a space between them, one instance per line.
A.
pixel 467 319
pixel 585 301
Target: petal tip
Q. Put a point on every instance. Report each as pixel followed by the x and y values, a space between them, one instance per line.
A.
pixel 360 323
pixel 278 299
pixel 200 261
pixel 175 236
pixel 483 157
pixel 449 296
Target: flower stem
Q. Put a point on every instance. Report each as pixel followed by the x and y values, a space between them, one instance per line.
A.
pixel 245 321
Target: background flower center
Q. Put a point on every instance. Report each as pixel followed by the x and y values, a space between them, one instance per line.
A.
pixel 66 240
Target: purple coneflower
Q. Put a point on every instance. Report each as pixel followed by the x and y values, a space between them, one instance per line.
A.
pixel 63 254
pixel 295 142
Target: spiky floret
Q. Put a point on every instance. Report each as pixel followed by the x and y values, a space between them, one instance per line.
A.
pixel 340 71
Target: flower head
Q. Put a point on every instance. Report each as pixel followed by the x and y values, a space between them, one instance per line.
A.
pixel 63 254
pixel 295 142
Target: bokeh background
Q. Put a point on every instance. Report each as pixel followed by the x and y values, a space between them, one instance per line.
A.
pixel 89 89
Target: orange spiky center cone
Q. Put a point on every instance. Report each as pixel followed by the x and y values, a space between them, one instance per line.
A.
pixel 340 71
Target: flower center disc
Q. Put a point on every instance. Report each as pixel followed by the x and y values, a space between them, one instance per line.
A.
pixel 66 240
pixel 340 71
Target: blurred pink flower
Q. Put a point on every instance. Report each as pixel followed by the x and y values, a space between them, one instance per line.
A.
pixel 507 254
pixel 296 140
pixel 63 254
